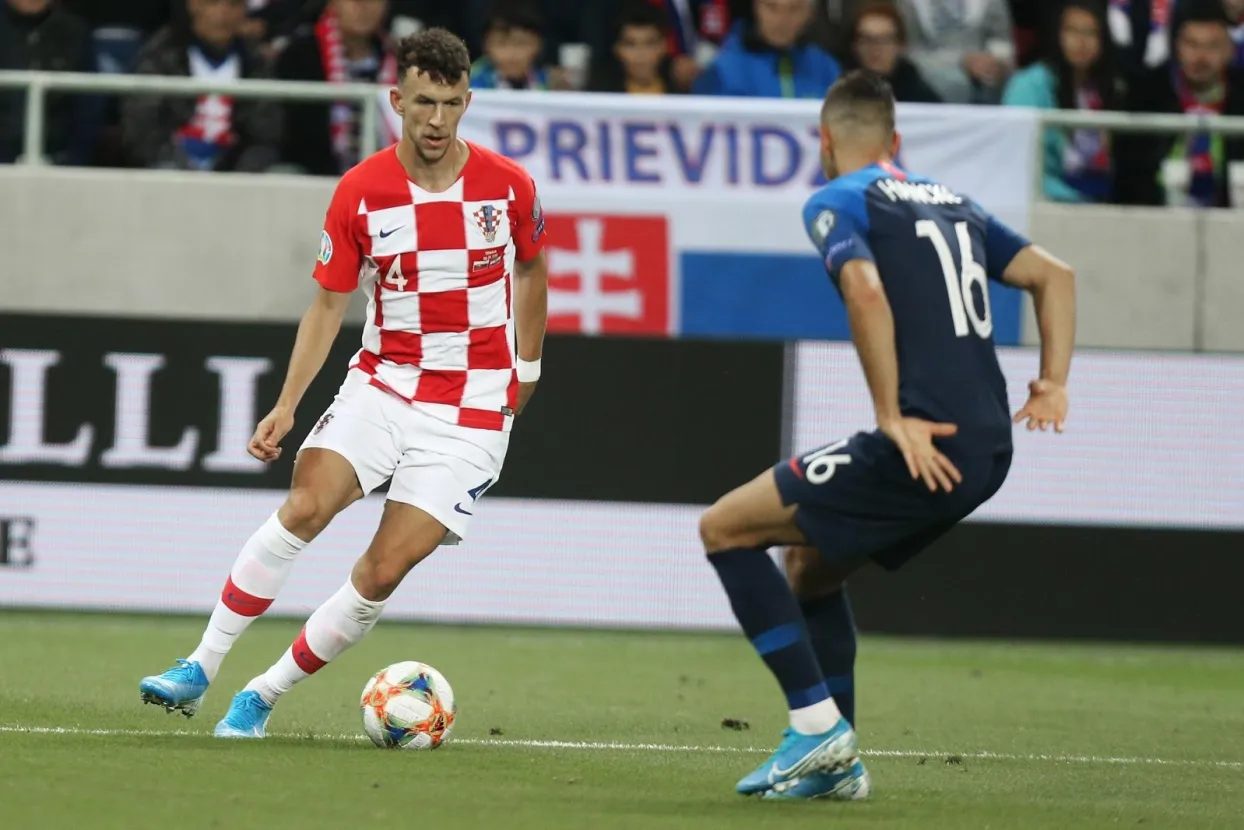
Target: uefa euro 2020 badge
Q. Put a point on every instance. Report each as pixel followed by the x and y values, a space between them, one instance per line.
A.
pixel 326 248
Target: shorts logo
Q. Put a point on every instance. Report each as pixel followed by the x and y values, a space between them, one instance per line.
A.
pixel 323 422
pixel 488 218
pixel 326 248
pixel 474 493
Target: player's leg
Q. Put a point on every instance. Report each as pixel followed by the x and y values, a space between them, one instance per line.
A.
pixel 443 471
pixel 820 587
pixel 407 535
pixel 737 531
pixel 324 484
pixel 349 453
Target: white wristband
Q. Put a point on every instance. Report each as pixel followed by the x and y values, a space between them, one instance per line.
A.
pixel 528 371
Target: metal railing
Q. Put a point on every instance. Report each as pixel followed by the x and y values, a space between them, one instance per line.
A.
pixel 1231 126
pixel 38 84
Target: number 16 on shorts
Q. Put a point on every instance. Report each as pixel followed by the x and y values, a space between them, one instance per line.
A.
pixel 820 466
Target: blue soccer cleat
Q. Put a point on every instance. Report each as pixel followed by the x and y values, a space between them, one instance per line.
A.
pixel 801 755
pixel 181 688
pixel 850 784
pixel 247 717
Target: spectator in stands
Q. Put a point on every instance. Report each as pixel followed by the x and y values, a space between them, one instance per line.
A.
pixel 769 57
pixel 1140 28
pixel 640 61
pixel 1029 17
pixel 1077 72
pixel 275 21
pixel 1235 12
pixel 214 132
pixel 695 30
pixel 832 21
pixel 878 43
pixel 346 45
pixel 512 47
pixel 964 48
pixel 34 34
pixel 1198 81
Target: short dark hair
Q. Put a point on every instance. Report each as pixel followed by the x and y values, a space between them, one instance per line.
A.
pixel 437 52
pixel 640 13
pixel 860 98
pixel 1200 11
pixel 508 15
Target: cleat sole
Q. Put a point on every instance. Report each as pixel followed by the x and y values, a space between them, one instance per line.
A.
pixel 187 708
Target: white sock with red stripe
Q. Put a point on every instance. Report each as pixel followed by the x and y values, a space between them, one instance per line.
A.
pixel 257 576
pixel 334 627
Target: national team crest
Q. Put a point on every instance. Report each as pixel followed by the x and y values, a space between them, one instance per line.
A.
pixel 488 218
pixel 323 422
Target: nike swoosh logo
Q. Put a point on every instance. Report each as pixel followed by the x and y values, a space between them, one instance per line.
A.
pixel 458 508
pixel 387 234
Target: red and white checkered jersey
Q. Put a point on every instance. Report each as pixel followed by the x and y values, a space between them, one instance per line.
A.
pixel 440 328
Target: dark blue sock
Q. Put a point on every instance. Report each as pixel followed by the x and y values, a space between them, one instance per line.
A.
pixel 770 617
pixel 832 631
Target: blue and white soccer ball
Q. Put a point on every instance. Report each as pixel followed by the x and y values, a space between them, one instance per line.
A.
pixel 408 705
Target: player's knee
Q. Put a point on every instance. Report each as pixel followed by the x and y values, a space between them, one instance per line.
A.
pixel 379 573
pixel 810 577
pixel 305 513
pixel 717 532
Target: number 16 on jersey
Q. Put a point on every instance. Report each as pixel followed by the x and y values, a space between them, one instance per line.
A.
pixel 959 285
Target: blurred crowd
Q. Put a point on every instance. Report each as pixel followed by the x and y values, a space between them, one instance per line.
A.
pixel 1162 56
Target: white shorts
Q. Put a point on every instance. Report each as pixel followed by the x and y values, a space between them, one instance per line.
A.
pixel 439 467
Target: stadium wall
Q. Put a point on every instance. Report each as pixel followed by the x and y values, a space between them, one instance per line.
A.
pixel 123 484
pixel 240 248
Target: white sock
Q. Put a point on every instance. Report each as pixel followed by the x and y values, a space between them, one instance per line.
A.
pixel 257 577
pixel 335 626
pixel 815 719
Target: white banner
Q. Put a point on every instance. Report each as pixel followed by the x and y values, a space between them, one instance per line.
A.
pixel 713 154
pixel 169 549
pixel 1152 439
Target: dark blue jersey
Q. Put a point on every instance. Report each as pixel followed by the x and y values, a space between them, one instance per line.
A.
pixel 934 249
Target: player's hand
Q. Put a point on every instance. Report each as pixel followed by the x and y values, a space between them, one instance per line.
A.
pixel 1046 407
pixel 265 444
pixel 914 439
pixel 525 391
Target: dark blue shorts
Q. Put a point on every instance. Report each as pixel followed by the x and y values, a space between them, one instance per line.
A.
pixel 857 499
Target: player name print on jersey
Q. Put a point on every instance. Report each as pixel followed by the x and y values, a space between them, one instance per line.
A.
pixel 925 193
pixel 439 331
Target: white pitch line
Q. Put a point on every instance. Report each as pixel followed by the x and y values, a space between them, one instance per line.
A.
pixel 939 755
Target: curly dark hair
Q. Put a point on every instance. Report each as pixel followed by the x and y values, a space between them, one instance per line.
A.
pixel 438 53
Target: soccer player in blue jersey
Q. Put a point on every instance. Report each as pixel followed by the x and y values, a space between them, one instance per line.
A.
pixel 910 258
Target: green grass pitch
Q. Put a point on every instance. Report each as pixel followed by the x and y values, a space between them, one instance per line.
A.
pixel 556 730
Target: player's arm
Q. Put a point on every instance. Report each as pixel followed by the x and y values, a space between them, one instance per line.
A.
pixel 337 272
pixel 1051 282
pixel 531 288
pixel 316 332
pixel 872 329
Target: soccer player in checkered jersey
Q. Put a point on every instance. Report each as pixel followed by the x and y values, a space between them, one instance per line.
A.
pixel 451 354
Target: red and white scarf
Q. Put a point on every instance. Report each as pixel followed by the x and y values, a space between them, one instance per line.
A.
pixel 336 71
